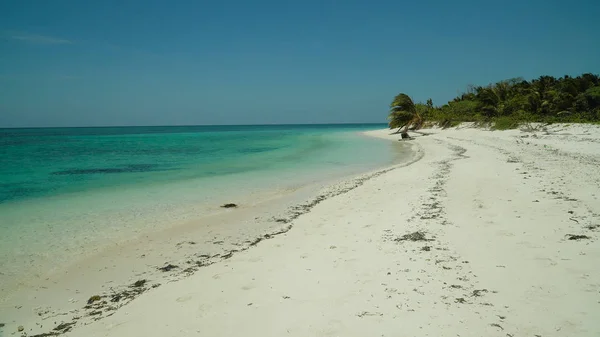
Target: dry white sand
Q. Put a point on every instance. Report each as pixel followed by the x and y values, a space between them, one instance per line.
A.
pixel 496 208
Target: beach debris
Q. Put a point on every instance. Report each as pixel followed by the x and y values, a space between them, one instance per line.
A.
pixel 592 227
pixel 190 270
pixel 203 263
pixel 64 327
pixel 97 308
pixel 497 326
pixel 577 237
pixel 456 286
pixel 228 255
pixel 20 328
pixel 255 241
pixel 94 299
pixel 426 248
pixel 139 283
pixel 168 267
pixel 47 334
pixel 460 300
pixel 127 294
pixel 116 297
pixel 477 292
pixel 185 242
pixel 366 313
pixel 416 236
pixel 229 205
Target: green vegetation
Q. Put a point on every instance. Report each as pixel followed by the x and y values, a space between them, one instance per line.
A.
pixel 404 113
pixel 507 104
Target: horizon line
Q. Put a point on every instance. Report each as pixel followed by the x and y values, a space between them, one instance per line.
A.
pixel 178 125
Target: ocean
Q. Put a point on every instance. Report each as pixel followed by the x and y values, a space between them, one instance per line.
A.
pixel 65 192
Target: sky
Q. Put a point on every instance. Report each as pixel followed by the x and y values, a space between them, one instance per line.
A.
pixel 193 62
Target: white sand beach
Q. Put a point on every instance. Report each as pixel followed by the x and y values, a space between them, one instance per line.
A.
pixel 510 223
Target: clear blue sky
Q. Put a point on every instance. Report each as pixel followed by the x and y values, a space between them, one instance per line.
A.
pixel 89 63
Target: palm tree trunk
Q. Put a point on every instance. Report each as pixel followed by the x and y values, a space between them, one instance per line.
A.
pixel 404 132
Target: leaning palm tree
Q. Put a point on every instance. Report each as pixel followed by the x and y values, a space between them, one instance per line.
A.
pixel 403 114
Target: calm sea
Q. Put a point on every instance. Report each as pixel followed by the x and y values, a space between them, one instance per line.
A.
pixel 63 189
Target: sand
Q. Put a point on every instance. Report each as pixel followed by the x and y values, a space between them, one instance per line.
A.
pixel 496 210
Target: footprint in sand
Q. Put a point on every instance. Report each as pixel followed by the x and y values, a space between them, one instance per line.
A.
pixel 505 233
pixel 183 299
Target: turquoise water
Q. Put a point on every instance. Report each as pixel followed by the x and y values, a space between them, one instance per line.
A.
pixel 37 163
pixel 64 192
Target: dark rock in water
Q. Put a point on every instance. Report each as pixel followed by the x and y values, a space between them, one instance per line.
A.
pixel 2 325
pixel 229 206
pixel 139 283
pixel 168 267
pixel 94 299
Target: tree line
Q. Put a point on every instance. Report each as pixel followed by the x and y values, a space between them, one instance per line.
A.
pixel 506 104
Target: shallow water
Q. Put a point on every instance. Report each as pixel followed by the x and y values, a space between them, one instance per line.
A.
pixel 68 191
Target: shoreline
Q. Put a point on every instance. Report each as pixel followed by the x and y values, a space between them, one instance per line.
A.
pixel 119 268
pixel 44 234
pixel 488 233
